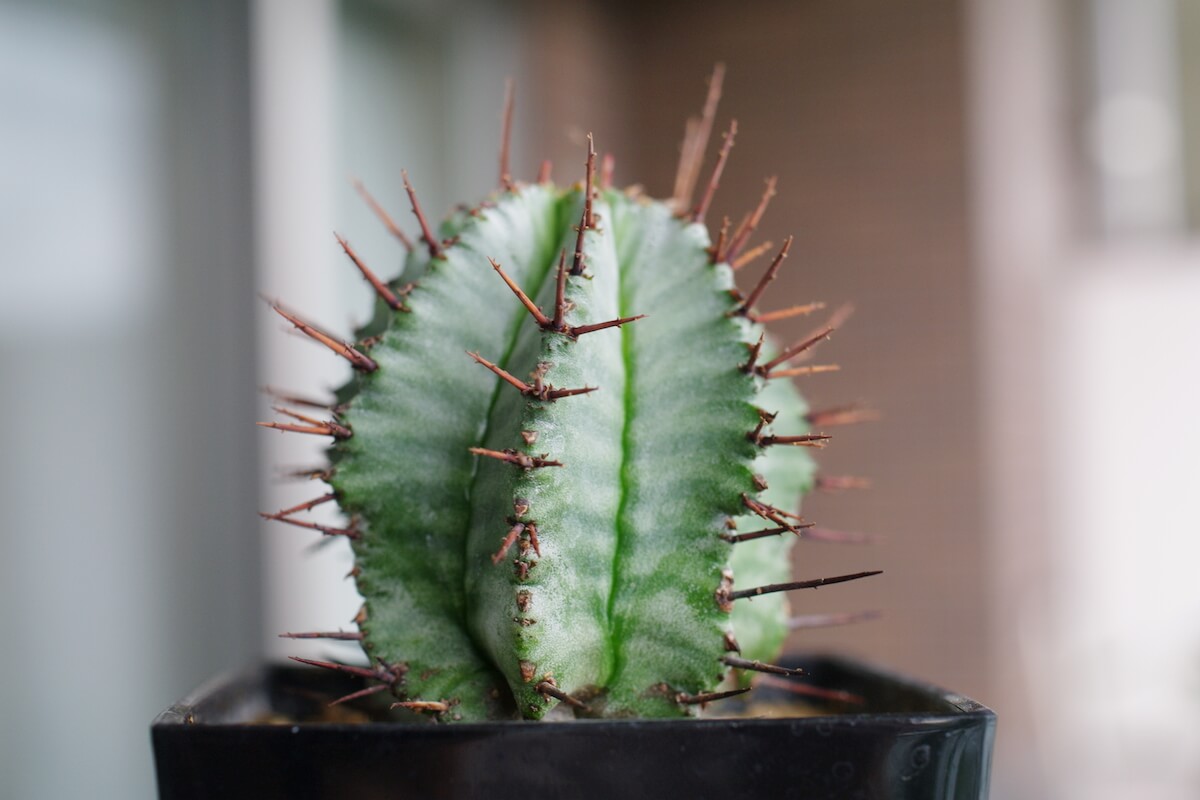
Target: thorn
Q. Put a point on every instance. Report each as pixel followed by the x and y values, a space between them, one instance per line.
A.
pixel 560 290
pixel 435 248
pixel 386 673
pixel 422 706
pixel 506 134
pixel 381 288
pixel 556 324
pixel 770 513
pixel 755 350
pixel 607 164
pixel 745 308
pixel 840 316
pixel 335 429
pixel 580 330
pixel 323 430
pixel 588 222
pixel 746 230
pixel 550 393
pixel 751 255
pixel 341 429
pixel 532 530
pixel 305 506
pixel 758 666
pixel 830 620
pixel 707 697
pixel 541 318
pixel 356 359
pixel 349 533
pixel 797 372
pixel 296 400
pixel 695 142
pixel 812 584
pixel 803 440
pixel 513 532
pixel 836 321
pixel 837 483
pixel 716 250
pixel 522 460
pixel 688 169
pixel 833 695
pixel 370 690
pixel 731 644
pixel 503 374
pixel 796 349
pixel 787 313
pixel 546 688
pixel 384 217
pixel 345 636
pixel 842 415
pixel 577 259
pixel 764 418
pixel 585 221
pixel 537 389
pixel 702 207
pixel 543 175
pixel 765 532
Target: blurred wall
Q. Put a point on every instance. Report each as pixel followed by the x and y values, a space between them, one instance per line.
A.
pixel 128 573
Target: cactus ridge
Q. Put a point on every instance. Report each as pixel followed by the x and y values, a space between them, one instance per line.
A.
pixel 566 436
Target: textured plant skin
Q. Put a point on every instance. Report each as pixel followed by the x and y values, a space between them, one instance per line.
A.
pixel 545 508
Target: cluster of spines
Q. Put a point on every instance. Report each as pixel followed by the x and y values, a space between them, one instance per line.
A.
pixel 727 248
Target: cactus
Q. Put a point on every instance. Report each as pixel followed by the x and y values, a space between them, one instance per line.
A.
pixel 570 455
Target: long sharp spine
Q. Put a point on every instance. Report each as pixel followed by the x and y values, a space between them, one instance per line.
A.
pixel 756 293
pixel 744 232
pixel 758 666
pixel 506 179
pixel 710 191
pixel 811 584
pixel 707 697
pixel 431 241
pixel 382 289
pixel 358 360
pixel 383 215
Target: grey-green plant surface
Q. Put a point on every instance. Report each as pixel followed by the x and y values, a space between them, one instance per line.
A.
pixel 571 458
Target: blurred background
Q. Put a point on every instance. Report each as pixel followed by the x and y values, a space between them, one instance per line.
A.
pixel 1007 190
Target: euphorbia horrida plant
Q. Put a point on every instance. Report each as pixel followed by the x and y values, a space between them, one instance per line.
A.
pixel 570 457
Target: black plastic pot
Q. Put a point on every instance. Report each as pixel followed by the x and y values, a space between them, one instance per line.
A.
pixel 907 740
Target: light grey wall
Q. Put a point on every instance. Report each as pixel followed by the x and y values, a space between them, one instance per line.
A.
pixel 126 380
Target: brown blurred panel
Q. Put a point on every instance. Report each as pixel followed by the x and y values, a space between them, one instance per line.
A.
pixel 857 106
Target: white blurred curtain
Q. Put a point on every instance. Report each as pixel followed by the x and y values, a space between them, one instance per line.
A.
pixel 1088 273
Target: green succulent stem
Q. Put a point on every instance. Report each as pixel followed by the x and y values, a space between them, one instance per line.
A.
pixel 569 455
